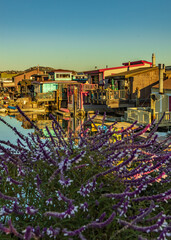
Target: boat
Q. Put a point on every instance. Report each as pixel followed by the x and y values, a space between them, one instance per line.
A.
pixel 12 107
pixel 3 110
pixel 3 114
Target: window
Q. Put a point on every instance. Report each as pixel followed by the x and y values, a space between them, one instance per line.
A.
pixel 63 75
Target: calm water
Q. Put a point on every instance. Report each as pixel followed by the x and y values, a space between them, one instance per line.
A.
pixel 23 126
pixel 7 134
pixel 41 121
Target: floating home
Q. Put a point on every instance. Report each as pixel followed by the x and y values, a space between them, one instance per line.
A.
pixel 106 90
pixel 160 98
pixel 57 89
pixel 128 88
pixel 99 76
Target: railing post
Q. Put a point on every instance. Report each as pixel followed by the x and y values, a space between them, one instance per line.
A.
pixel 57 99
pixel 97 97
pixel 143 116
pixel 75 100
pixel 149 118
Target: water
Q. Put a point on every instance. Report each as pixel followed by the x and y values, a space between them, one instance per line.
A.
pixel 40 120
pixel 43 120
pixel 8 134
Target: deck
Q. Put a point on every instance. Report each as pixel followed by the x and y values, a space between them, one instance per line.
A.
pixel 110 98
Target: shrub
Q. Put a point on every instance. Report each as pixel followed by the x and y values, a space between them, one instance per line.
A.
pixel 85 186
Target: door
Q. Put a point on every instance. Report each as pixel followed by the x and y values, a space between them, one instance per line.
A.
pixel 169 103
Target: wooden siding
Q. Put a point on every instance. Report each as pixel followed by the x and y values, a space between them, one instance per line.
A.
pixel 144 82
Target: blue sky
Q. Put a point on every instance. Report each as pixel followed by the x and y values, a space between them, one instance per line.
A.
pixel 80 35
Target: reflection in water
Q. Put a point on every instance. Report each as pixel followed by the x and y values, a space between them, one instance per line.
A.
pixel 41 121
pixel 7 134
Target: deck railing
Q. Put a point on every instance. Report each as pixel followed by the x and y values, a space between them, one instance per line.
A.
pixel 105 96
pixel 141 115
pixel 44 96
pixel 116 94
pixel 144 116
pixel 87 87
pixel 166 119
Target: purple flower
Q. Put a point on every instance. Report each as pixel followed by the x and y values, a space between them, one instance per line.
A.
pixel 84 206
pixel 28 233
pixel 49 201
pixel 102 224
pixel 31 210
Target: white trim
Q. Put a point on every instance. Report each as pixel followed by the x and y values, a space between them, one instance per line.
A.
pixel 161 97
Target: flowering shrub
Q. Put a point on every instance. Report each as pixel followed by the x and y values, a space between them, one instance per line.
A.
pixel 85 186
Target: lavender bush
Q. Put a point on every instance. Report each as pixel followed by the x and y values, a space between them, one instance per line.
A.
pixel 85 186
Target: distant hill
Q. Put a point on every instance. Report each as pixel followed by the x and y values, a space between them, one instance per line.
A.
pixel 41 68
pixel 11 71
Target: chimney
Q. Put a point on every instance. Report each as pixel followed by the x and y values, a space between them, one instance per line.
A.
pixel 129 63
pixel 153 60
pixel 161 72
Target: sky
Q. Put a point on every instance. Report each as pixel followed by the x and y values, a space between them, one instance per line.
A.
pixel 79 35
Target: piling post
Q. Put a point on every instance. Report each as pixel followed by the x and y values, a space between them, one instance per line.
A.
pixel 56 99
pixel 97 97
pixel 137 96
pixel 75 101
pixel 153 106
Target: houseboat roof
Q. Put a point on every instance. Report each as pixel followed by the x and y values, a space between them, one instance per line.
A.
pixel 8 84
pixel 168 68
pixel 166 84
pixel 132 73
pixel 58 82
pixel 62 70
pixel 39 75
pixel 139 63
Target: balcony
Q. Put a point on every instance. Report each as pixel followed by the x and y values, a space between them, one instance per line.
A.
pixel 87 87
pixel 42 97
pixel 107 96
